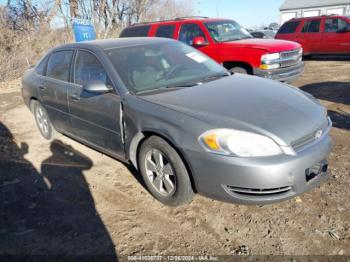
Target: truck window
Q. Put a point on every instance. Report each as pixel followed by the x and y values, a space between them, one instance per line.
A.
pixel 135 31
pixel 335 24
pixel 166 31
pixel 289 27
pixel 188 32
pixel 311 26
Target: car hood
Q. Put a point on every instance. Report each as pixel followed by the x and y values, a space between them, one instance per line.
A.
pixel 269 45
pixel 249 103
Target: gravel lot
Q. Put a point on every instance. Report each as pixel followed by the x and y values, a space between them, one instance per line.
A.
pixel 64 198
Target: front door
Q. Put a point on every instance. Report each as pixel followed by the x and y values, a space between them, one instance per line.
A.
pixel 95 116
pixel 189 31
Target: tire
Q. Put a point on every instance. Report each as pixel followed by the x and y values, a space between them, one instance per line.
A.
pixel 157 176
pixel 240 70
pixel 42 120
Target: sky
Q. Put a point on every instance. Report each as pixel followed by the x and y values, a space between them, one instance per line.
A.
pixel 249 13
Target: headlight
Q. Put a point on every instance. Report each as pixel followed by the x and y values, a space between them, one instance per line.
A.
pixel 270 61
pixel 239 143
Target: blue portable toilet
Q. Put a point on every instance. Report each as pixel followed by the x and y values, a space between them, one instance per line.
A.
pixel 83 30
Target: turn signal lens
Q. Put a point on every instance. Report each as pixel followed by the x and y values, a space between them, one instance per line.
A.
pixel 271 66
pixel 211 140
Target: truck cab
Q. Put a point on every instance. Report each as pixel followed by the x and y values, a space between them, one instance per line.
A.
pixel 229 44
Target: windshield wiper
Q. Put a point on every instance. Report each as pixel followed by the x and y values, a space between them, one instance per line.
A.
pixel 214 77
pixel 186 84
pixel 177 86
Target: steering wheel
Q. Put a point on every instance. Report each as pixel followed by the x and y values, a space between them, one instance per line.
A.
pixel 173 71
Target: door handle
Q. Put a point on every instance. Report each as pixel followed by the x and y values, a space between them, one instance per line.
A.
pixel 75 97
pixel 41 87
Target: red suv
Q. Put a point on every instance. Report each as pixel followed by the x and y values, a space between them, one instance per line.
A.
pixel 230 45
pixel 319 35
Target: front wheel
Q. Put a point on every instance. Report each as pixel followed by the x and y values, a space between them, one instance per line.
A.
pixel 164 172
pixel 240 70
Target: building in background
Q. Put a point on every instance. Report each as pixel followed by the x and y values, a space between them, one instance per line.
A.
pixel 307 8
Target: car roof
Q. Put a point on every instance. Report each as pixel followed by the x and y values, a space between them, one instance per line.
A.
pixel 180 20
pixel 106 44
pixel 317 17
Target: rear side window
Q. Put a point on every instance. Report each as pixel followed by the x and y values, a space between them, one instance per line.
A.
pixel 311 26
pixel 41 68
pixel 335 24
pixel 289 27
pixel 135 31
pixel 88 69
pixel 166 31
pixel 59 65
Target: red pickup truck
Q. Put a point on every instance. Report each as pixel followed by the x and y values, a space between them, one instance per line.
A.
pixel 319 35
pixel 230 45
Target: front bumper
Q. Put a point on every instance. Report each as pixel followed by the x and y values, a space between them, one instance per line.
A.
pixel 260 181
pixel 286 74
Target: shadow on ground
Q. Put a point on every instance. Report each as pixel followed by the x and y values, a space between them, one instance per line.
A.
pixel 340 119
pixel 337 92
pixel 51 212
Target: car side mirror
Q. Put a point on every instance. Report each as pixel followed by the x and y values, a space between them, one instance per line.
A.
pixel 199 41
pixel 97 87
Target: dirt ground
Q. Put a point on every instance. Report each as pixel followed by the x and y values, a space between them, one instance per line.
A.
pixel 61 197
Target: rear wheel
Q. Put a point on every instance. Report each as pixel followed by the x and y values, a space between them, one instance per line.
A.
pixel 42 120
pixel 164 172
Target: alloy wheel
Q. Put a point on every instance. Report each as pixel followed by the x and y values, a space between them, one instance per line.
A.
pixel 160 172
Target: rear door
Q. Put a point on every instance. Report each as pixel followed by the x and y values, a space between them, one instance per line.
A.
pixel 336 36
pixel 95 116
pixel 54 88
pixel 310 36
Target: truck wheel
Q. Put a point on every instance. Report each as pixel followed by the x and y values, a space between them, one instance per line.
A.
pixel 42 120
pixel 164 172
pixel 240 70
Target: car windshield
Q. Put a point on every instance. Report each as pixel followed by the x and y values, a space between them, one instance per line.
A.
pixel 161 66
pixel 225 31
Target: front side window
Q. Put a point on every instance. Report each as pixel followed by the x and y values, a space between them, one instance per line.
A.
pixel 190 31
pixel 136 31
pixel 59 65
pixel 289 27
pixel 162 66
pixel 88 69
pixel 334 25
pixel 311 26
pixel 225 31
pixel 166 31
